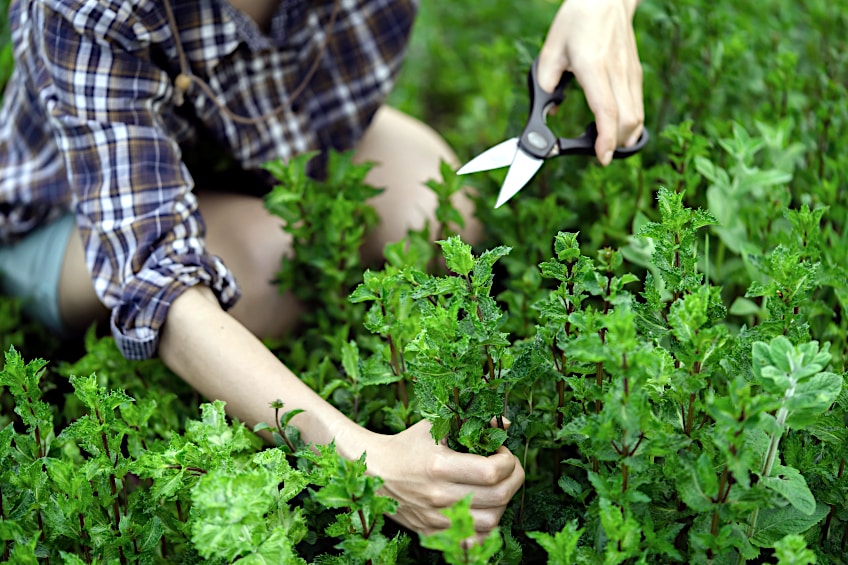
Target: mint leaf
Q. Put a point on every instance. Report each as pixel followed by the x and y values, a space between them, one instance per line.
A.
pixel 774 524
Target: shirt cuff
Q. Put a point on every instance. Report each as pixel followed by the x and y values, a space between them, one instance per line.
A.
pixel 146 299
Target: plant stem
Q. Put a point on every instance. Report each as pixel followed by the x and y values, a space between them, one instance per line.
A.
pixel 625 472
pixel 355 407
pixel 84 535
pixel 41 529
pixel 116 509
pixel 720 499
pixel 524 459
pixel 560 419
pixel 690 415
pixel 599 380
pixel 768 464
pixel 502 415
pixel 366 531
pixel 397 367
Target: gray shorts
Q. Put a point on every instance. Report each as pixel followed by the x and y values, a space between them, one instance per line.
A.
pixel 30 270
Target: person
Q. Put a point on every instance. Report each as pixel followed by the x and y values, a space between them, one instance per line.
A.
pixel 102 214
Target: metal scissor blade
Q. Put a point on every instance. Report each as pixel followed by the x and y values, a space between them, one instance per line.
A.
pixel 522 170
pixel 500 155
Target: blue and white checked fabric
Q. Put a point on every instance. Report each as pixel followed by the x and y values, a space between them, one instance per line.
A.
pixel 89 123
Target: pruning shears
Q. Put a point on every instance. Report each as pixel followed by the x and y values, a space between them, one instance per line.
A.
pixel 525 154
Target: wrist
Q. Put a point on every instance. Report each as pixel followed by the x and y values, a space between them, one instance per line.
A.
pixel 352 440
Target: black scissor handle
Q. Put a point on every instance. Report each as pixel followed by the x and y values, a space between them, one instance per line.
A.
pixel 585 144
pixel 537 139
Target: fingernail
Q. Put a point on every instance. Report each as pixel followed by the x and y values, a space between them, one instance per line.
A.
pixel 607 158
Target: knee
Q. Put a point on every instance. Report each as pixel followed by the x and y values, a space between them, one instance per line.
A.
pixel 263 308
pixel 252 244
pixel 408 154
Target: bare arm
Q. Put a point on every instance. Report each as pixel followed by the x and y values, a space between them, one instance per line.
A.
pixel 215 354
pixel 221 359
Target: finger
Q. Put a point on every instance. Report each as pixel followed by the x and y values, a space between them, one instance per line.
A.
pixel 629 126
pixel 602 101
pixel 626 80
pixel 637 100
pixel 472 470
pixel 483 497
pixel 486 520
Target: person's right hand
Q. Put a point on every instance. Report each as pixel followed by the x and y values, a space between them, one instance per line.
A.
pixel 426 478
pixel 594 39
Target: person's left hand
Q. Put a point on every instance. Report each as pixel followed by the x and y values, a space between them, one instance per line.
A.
pixel 594 39
pixel 426 477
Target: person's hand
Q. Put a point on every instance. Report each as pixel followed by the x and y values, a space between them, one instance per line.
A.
pixel 594 40
pixel 425 478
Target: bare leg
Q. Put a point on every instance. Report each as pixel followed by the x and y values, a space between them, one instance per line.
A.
pixel 408 153
pixel 239 230
pixel 252 244
pixel 78 303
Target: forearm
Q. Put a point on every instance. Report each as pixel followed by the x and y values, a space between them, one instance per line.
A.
pixel 222 360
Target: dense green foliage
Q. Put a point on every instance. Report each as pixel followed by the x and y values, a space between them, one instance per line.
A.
pixel 666 336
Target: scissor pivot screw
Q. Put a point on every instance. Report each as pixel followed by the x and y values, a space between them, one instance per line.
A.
pixel 537 140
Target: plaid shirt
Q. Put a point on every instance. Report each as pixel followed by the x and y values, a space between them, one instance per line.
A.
pixel 90 123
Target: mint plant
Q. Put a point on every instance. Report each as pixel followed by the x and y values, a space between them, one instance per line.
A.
pixel 658 346
pixel 458 359
pixel 453 542
pixel 332 250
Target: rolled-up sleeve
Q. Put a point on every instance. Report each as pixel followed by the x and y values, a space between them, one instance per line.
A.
pixel 142 233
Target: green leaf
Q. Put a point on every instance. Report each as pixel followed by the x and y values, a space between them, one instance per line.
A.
pixel 792 550
pixel 562 546
pixel 698 486
pixel 277 548
pixel 151 532
pixel 744 307
pixel 774 524
pixel 350 360
pixel 71 559
pixel 229 511
pixel 458 255
pixel 451 540
pixel 789 483
pixel 811 398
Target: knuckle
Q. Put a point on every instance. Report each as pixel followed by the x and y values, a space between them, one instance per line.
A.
pixel 631 124
pixel 521 474
pixel 629 129
pixel 437 498
pixel 437 466
pixel 490 476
